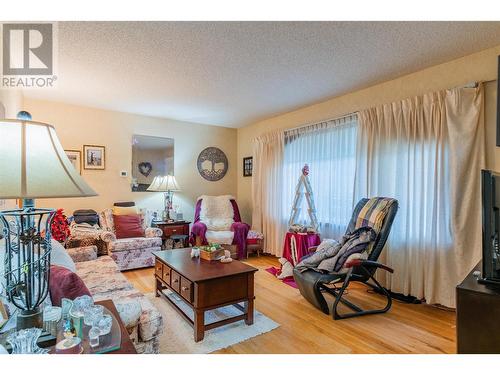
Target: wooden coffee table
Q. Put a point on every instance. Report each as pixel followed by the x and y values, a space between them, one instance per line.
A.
pixel 204 286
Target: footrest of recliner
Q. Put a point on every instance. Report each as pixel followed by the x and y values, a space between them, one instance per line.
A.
pixel 309 283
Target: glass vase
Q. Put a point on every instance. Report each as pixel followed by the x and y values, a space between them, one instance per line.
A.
pixel 25 341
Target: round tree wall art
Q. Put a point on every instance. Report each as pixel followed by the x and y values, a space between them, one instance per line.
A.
pixel 212 164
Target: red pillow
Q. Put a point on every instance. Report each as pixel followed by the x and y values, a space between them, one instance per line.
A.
pixel 64 283
pixel 127 226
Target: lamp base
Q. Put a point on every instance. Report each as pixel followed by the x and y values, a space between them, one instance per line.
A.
pixel 29 319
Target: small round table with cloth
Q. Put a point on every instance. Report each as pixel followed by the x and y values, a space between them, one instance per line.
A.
pixel 297 245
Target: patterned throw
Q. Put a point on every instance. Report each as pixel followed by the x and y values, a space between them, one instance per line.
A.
pixel 373 214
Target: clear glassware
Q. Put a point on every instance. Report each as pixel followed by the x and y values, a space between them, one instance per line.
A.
pixel 66 305
pixel 104 324
pixel 80 304
pixel 51 317
pixel 92 314
pixel 94 336
pixel 24 341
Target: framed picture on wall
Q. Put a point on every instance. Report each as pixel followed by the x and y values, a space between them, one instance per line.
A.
pixel 75 157
pixel 247 166
pixel 94 157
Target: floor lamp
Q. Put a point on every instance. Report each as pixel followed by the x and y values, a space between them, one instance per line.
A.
pixel 33 165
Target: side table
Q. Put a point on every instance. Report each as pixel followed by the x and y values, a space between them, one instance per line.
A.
pixel 126 345
pixel 173 228
pixel 297 245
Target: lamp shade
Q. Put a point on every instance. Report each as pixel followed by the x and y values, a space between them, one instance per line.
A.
pixel 164 183
pixel 33 163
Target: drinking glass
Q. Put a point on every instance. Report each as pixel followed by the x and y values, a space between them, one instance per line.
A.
pixel 94 336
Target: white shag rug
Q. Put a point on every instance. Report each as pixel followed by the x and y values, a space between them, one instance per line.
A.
pixel 178 335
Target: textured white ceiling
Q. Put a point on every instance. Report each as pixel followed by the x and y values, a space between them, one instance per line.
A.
pixel 235 73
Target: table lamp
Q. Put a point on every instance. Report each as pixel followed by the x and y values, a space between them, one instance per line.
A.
pixel 33 165
pixel 168 185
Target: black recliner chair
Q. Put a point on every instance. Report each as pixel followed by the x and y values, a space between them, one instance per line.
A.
pixel 313 284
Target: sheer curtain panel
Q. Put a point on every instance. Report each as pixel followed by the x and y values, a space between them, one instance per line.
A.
pixel 329 148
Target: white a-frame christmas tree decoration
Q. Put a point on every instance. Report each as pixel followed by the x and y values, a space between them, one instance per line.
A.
pixel 304 188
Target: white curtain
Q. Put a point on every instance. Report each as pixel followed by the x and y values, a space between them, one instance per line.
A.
pixel 329 148
pixel 427 152
pixel 267 187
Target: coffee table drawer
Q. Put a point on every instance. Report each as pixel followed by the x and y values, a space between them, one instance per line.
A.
pixel 175 281
pixel 159 269
pixel 166 274
pixel 186 289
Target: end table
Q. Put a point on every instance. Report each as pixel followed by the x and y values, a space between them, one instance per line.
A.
pixel 173 228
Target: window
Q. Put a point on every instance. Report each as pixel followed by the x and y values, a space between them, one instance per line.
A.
pixel 329 149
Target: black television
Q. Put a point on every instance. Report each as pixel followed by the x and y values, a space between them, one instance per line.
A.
pixel 490 186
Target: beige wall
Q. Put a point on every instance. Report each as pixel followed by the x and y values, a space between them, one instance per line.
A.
pixel 76 126
pixel 480 66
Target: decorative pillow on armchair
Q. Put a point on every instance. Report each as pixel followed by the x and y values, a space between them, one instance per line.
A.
pixel 128 226
pixel 119 211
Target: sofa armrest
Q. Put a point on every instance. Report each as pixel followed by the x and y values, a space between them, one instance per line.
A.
pixel 86 231
pixel 107 236
pixel 153 232
pixel 83 254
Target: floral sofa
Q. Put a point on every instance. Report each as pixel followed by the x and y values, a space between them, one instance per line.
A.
pixel 104 280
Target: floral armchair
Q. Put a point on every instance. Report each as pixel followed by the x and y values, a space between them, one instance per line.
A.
pixel 129 253
pixel 217 220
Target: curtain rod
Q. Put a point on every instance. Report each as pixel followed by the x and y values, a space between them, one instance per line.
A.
pixel 467 85
pixel 321 121
pixel 474 83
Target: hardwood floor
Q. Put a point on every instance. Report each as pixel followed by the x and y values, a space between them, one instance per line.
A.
pixel 406 328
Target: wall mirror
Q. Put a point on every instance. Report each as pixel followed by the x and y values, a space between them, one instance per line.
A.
pixel 151 157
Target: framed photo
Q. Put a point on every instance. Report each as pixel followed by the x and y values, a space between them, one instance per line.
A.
pixel 247 166
pixel 75 157
pixel 94 157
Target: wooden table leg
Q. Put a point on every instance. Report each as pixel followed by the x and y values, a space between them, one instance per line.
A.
pixel 158 288
pixel 199 325
pixel 249 302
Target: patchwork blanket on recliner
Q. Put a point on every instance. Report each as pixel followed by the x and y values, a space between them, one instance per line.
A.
pixel 331 255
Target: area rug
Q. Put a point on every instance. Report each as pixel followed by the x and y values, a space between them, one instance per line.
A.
pixel 177 337
pixel 287 280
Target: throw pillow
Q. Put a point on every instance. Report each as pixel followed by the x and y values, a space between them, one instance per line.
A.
pixel 128 226
pixel 125 210
pixel 60 257
pixel 65 284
